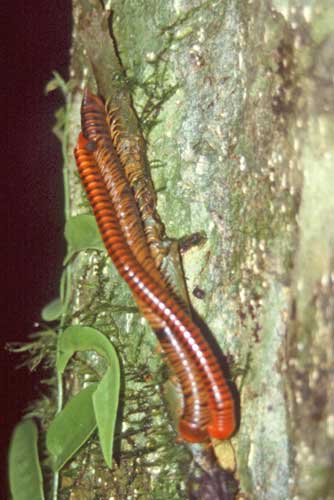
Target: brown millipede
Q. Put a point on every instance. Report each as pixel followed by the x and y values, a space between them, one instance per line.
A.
pixel 105 195
pixel 131 152
pixel 193 423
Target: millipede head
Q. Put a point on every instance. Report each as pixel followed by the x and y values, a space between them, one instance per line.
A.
pixel 93 117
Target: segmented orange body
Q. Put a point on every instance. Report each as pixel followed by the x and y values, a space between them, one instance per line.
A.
pixel 199 371
pixel 193 423
pixel 97 128
pixel 130 152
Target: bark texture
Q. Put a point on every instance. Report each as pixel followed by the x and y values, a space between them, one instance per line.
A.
pixel 235 100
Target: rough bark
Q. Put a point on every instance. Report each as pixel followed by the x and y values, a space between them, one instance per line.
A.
pixel 236 104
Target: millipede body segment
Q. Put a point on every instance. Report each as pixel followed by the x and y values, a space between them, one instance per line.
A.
pixel 209 407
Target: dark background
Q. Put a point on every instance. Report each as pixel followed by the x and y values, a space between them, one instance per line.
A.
pixel 36 41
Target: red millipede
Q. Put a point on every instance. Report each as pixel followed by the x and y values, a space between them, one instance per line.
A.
pixel 95 126
pixel 189 343
pixel 193 423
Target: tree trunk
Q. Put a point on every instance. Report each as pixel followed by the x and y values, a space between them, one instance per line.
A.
pixel 235 101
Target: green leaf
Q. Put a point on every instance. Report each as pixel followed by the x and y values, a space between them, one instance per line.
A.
pixel 53 310
pixel 71 428
pixel 81 233
pixel 25 476
pixel 105 399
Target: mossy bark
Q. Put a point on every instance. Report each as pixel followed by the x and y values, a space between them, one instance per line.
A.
pixel 235 100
